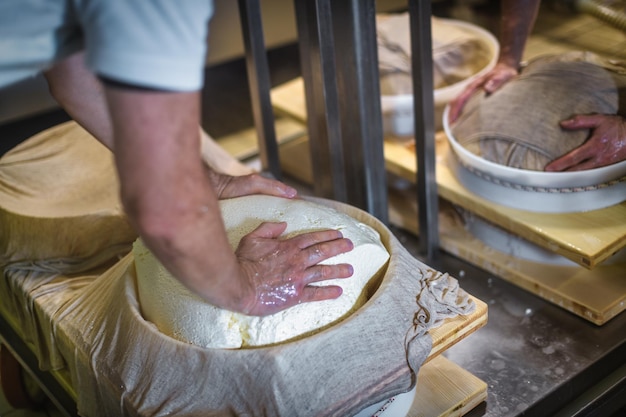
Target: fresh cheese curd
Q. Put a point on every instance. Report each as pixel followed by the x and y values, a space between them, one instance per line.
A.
pixel 179 313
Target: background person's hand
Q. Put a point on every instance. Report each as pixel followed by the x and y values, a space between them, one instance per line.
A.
pixel 605 146
pixel 490 82
pixel 278 271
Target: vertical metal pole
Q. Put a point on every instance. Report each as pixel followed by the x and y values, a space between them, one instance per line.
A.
pixel 422 67
pixel 317 56
pixel 359 99
pixel 259 81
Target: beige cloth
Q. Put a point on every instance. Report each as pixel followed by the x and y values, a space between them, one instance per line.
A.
pixel 457 53
pixel 518 125
pixel 45 192
pixel 88 321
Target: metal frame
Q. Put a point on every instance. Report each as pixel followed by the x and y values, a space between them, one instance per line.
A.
pixel 424 114
pixel 343 103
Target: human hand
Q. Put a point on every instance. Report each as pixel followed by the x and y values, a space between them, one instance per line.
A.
pixel 490 82
pixel 605 146
pixel 278 271
pixel 227 186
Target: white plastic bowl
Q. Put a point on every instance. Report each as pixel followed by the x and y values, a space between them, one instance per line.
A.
pixel 398 406
pixel 398 109
pixel 538 191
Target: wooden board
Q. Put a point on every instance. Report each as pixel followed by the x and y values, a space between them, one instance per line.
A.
pixel 244 144
pixel 443 389
pixel 446 389
pixel 596 295
pixel 586 238
pixel 454 330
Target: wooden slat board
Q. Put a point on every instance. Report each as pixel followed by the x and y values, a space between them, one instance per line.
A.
pixel 444 389
pixel 244 144
pixel 454 330
pixel 596 295
pixel 586 238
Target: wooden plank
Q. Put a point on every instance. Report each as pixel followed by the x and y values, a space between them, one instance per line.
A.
pixel 587 238
pixel 454 330
pixel 446 389
pixel 596 295
pixel 295 159
pixel 288 99
pixel 244 144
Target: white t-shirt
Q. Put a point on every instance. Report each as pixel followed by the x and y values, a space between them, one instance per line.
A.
pixel 148 43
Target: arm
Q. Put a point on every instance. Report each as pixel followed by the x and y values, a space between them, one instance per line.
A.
pixel 518 18
pixel 605 146
pixel 81 95
pixel 171 198
pixel 174 206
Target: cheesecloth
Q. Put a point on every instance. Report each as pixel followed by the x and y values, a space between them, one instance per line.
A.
pixel 518 125
pixel 79 312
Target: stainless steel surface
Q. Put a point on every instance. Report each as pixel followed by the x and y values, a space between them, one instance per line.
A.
pixel 536 358
pixel 424 116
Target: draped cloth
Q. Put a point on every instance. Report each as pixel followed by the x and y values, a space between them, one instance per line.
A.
pixel 77 308
pixel 518 125
pixel 458 53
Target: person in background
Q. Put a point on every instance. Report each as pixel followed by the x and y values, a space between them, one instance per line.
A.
pixel 607 142
pixel 130 73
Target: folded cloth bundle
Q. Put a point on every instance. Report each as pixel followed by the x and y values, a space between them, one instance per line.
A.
pixel 518 125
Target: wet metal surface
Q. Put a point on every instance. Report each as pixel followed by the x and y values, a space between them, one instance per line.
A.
pixel 535 357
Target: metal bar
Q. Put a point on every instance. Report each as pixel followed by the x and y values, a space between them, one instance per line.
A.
pixel 53 389
pixel 359 99
pixel 422 68
pixel 259 81
pixel 317 57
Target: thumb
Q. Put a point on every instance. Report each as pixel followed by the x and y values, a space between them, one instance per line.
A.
pixel 580 121
pixel 269 230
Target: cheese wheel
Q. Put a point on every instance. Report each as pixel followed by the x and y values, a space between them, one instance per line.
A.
pixel 179 313
pixel 59 198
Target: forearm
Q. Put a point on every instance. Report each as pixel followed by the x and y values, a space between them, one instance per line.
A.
pixel 167 193
pixel 518 18
pixel 81 95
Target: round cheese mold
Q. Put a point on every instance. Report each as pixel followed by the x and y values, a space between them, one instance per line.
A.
pixel 537 191
pixel 179 313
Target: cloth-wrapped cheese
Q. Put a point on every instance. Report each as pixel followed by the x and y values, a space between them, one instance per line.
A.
pixel 457 53
pixel 185 316
pixel 59 198
pixel 518 125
